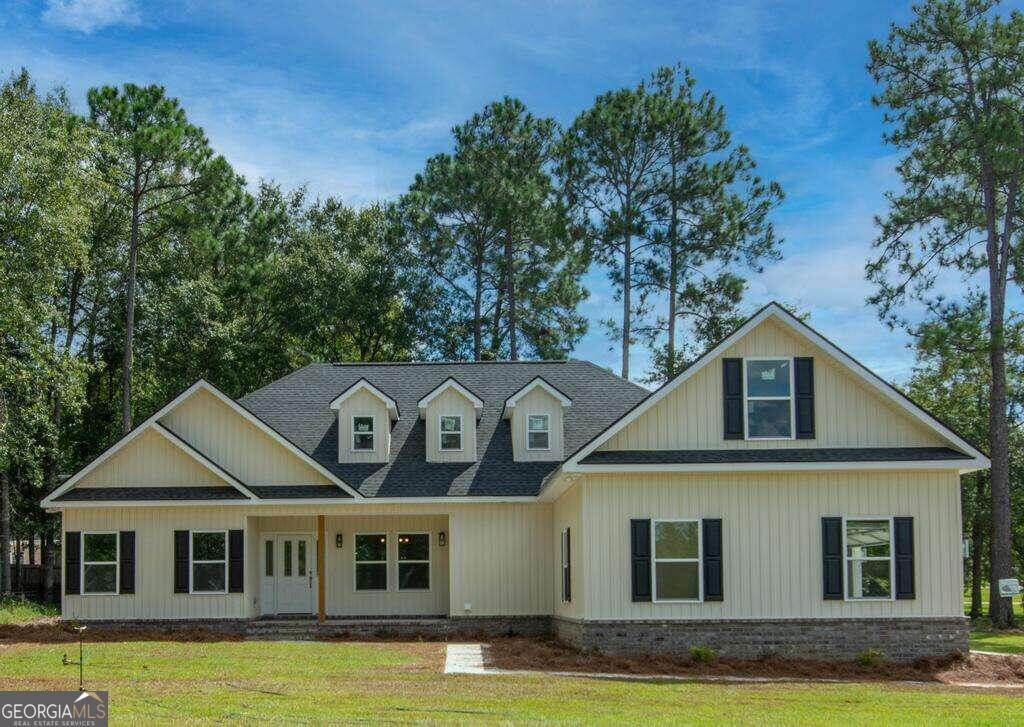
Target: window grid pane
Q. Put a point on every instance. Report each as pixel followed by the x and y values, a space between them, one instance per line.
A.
pixel 768 390
pixel 99 548
pixel 287 558
pixel 362 433
pixel 302 557
pixel 868 559
pixel 676 540
pixel 99 578
pixel 268 557
pixel 413 561
pixel 537 440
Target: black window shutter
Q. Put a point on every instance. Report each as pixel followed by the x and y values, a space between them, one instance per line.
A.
pixel 803 370
pixel 72 563
pixel 732 397
pixel 127 565
pixel 832 558
pixel 713 586
pixel 181 561
pixel 236 561
pixel 567 574
pixel 640 557
pixel 903 528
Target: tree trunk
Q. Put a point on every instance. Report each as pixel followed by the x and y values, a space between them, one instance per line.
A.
pixel 627 285
pixel 478 295
pixel 31 548
pixel 129 315
pixel 5 532
pixel 49 565
pixel 673 274
pixel 510 292
pixel 1001 565
pixel 977 540
pixel 19 572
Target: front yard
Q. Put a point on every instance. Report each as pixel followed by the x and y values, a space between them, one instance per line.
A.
pixel 213 681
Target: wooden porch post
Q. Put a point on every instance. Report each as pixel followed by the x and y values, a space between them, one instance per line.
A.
pixel 321 607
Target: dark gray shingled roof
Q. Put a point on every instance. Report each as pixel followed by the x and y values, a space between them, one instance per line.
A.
pixel 297 406
pixel 760 456
pixel 120 494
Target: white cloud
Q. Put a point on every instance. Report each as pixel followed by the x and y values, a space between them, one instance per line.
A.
pixel 89 15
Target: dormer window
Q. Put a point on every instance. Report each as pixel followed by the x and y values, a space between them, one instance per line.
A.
pixel 769 398
pixel 538 434
pixel 362 434
pixel 451 433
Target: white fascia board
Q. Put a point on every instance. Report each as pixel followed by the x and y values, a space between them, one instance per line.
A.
pixel 537 382
pixel 48 501
pixel 879 384
pixel 119 444
pixel 273 434
pixel 364 385
pixel 449 383
pixel 362 503
pixel 776 311
pixel 202 459
pixel 938 464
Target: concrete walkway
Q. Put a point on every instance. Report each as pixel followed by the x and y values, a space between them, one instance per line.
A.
pixel 471 659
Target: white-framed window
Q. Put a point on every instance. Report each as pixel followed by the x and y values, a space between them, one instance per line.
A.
pixel 867 545
pixel 566 567
pixel 768 398
pixel 100 557
pixel 414 561
pixel 371 561
pixel 208 569
pixel 676 547
pixel 538 431
pixel 362 433
pixel 450 432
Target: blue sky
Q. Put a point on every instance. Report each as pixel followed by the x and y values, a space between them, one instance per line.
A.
pixel 351 98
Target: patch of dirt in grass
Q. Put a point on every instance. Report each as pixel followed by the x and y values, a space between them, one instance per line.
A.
pixel 552 655
pixel 53 631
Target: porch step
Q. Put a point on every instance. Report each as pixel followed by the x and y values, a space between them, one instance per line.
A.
pixel 283 630
pixel 305 629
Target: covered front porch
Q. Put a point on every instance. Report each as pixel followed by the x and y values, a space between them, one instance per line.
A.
pixel 348 566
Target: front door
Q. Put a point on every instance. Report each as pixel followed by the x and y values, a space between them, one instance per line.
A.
pixel 294 573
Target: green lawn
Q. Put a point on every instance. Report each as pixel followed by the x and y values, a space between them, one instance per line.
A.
pixel 15 611
pixel 164 681
pixel 1003 642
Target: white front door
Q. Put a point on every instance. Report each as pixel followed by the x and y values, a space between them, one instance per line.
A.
pixel 294 573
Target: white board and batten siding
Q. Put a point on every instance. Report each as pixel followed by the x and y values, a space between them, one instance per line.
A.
pixel 363 403
pixel 150 460
pixel 237 444
pixel 537 401
pixel 154 596
pixel 498 558
pixel 771 540
pixel 501 560
pixel 848 413
pixel 450 402
pixel 567 512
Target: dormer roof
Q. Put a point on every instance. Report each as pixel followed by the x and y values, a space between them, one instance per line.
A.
pixel 450 383
pixel 537 383
pixel 364 385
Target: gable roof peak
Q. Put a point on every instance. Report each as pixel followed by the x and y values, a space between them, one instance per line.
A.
pixel 363 385
pixel 535 383
pixel 450 383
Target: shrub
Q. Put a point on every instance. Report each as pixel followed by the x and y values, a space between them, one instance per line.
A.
pixel 703 654
pixel 870 657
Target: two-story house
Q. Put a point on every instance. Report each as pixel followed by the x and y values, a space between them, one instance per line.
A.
pixel 775 497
